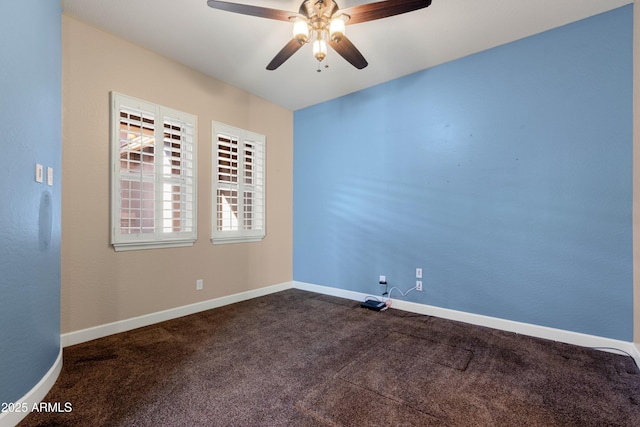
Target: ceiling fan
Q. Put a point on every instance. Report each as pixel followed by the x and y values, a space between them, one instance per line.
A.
pixel 322 22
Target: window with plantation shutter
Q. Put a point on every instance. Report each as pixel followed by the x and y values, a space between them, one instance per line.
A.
pixel 238 188
pixel 153 189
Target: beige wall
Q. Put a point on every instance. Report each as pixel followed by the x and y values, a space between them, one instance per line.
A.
pixel 101 286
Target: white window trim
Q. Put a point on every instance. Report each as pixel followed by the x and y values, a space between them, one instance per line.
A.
pixel 158 239
pixel 236 236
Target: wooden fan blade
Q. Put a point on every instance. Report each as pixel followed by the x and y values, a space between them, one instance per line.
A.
pixel 245 9
pixel 382 9
pixel 348 51
pixel 284 54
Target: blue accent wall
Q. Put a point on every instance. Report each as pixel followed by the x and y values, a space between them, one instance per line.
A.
pixel 30 107
pixel 505 175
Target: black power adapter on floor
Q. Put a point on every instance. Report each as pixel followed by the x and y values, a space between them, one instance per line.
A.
pixel 372 304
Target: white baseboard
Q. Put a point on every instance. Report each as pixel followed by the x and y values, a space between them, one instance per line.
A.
pixel 568 337
pixel 84 335
pixel 34 396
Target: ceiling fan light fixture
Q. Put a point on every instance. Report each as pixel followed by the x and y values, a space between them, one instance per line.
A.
pixel 301 30
pixel 337 28
pixel 320 49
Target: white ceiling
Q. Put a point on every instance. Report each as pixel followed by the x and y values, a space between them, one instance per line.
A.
pixel 236 48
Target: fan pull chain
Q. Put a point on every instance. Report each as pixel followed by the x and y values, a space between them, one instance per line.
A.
pixel 326 64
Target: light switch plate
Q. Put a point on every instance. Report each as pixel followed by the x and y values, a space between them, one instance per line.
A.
pixel 49 176
pixel 39 173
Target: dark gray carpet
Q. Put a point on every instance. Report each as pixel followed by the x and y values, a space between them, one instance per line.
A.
pixel 300 359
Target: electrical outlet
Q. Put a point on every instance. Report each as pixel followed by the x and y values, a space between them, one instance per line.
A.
pixel 383 279
pixel 418 285
pixel 199 284
pixel 419 273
